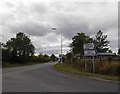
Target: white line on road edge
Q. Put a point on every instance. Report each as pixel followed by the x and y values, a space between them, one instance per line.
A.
pixel 94 78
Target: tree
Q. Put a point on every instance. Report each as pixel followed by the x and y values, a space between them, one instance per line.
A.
pixel 101 42
pixel 40 58
pixel 20 48
pixel 45 58
pixel 69 57
pixel 78 41
pixel 5 53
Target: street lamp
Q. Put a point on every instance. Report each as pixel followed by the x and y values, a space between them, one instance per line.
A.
pixel 53 28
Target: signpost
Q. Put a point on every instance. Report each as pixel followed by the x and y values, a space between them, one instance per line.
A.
pixel 89 50
pixel 89 53
pixel 61 57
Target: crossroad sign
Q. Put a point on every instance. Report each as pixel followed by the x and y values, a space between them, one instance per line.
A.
pixel 88 46
pixel 89 49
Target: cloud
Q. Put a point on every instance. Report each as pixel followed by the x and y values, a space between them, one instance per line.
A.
pixel 88 18
pixel 36 18
pixel 39 8
pixel 31 28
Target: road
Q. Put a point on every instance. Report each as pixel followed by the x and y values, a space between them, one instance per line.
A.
pixel 43 78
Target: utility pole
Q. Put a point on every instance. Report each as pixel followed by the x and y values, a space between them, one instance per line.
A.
pixel 53 28
pixel 93 65
pixel 61 49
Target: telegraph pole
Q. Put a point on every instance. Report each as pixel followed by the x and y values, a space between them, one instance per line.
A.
pixel 53 28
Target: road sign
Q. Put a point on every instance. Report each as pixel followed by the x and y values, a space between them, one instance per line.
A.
pixel 90 53
pixel 89 50
pixel 88 46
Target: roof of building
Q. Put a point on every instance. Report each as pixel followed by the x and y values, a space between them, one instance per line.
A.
pixel 106 54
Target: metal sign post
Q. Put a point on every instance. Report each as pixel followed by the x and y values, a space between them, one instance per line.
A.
pixel 93 65
pixel 89 50
pixel 85 64
pixel 61 58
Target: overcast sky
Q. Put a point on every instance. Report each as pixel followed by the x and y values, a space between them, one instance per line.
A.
pixel 37 17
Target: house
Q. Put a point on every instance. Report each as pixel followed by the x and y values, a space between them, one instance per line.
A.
pixel 106 56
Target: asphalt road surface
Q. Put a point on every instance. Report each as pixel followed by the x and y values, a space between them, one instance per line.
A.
pixel 43 78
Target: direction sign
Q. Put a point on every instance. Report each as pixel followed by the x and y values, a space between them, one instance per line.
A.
pixel 88 46
pixel 90 53
pixel 89 50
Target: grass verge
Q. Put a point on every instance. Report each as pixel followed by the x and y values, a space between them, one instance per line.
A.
pixel 8 65
pixel 69 70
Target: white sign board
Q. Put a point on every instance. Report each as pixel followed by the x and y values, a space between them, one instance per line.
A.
pixel 89 53
pixel 88 46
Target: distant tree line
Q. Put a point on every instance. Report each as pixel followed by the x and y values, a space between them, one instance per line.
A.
pixel 21 50
pixel 43 58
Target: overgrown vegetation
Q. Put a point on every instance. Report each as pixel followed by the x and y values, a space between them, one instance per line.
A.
pixel 8 64
pixel 69 70
pixel 76 59
pixel 105 68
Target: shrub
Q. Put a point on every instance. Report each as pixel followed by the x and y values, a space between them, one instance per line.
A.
pixel 100 67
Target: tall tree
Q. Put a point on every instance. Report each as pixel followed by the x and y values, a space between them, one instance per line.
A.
pixel 101 42
pixel 78 41
pixel 20 47
pixel 5 53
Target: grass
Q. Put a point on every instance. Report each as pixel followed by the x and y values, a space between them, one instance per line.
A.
pixel 69 70
pixel 8 65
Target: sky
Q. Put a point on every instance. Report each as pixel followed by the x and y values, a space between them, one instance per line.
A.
pixel 37 17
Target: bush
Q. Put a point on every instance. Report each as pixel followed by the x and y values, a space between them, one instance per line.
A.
pixel 100 68
pixel 109 69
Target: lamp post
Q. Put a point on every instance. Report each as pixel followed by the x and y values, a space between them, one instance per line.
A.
pixel 53 28
pixel 61 48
